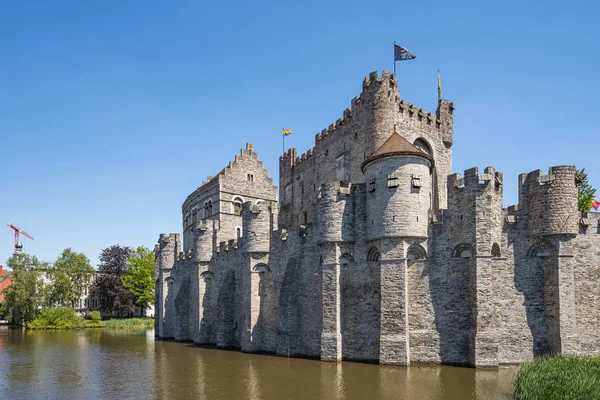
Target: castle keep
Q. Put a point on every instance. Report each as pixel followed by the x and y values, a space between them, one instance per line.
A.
pixel 376 252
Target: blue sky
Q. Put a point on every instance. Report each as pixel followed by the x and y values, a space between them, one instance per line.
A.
pixel 112 112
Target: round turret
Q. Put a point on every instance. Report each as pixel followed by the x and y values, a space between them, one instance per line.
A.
pixel 256 223
pixel 552 203
pixel 398 190
pixel 335 214
pixel 203 241
pixel 165 254
pixel 380 98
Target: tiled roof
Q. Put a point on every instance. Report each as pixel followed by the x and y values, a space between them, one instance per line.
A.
pixel 395 145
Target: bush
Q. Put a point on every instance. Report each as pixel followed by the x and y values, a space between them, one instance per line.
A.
pixel 130 323
pixel 94 316
pixel 57 318
pixel 561 377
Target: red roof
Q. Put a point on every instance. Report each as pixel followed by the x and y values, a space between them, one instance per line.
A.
pixel 395 145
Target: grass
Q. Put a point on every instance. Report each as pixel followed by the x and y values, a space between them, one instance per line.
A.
pixel 559 377
pixel 129 323
pixel 67 318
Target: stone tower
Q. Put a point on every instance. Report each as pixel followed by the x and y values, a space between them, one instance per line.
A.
pixel 552 223
pixel 476 235
pixel 165 254
pixel 398 205
pixel 257 220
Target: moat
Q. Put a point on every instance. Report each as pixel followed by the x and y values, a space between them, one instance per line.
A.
pixel 112 364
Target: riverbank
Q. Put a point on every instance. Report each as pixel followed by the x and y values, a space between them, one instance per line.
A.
pixel 560 377
pixel 130 323
pixel 67 318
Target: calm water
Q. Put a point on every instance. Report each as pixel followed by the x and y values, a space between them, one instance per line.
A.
pixel 104 364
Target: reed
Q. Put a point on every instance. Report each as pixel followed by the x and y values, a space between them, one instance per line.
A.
pixel 559 377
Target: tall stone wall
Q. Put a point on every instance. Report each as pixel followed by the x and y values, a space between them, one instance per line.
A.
pixel 342 269
pixel 586 251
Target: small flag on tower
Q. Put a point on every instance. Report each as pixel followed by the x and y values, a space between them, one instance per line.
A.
pixel 596 204
pixel 401 54
pixel 287 132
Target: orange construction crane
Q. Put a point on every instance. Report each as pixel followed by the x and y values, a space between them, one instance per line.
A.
pixel 18 231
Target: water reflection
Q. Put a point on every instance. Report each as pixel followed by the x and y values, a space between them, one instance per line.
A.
pixel 111 364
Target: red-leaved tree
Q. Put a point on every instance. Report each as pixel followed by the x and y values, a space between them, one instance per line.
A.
pixel 108 288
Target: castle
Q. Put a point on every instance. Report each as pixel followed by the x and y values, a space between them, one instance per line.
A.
pixel 376 252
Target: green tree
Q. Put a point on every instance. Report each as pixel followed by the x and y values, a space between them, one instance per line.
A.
pixel 139 277
pixel 586 193
pixel 22 300
pixel 71 273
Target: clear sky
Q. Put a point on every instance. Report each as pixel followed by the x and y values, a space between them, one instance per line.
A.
pixel 112 112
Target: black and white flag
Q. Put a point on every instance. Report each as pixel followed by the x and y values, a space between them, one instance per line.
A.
pixel 401 54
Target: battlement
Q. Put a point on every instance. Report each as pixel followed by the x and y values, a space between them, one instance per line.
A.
pixel 375 79
pixel 227 245
pixel 289 156
pixel 550 200
pixel 168 238
pixel 331 129
pixel 473 179
pixel 304 156
pixel 166 251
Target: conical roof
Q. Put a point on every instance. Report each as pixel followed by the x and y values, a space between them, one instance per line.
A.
pixel 393 146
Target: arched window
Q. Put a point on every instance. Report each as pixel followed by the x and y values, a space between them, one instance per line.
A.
pixel 237 206
pixel 463 251
pixel 208 209
pixel 238 231
pixel 261 268
pixel 373 255
pixel 495 250
pixel 543 248
pixel 415 252
pixel 346 259
pixel 207 275
pixel 423 145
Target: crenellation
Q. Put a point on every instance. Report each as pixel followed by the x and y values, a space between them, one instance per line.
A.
pixel 377 252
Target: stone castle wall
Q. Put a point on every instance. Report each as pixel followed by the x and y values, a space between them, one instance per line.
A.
pixel 403 263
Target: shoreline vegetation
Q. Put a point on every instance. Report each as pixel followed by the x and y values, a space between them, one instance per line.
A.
pixel 63 318
pixel 559 377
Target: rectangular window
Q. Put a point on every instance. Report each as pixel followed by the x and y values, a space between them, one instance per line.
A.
pixel 341 167
pixel 416 181
pixel 371 185
pixel 392 181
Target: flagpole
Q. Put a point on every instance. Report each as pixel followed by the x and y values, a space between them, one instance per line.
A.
pixel 283 140
pixel 394 58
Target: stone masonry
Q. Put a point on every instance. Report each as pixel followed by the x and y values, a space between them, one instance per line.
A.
pixel 376 252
